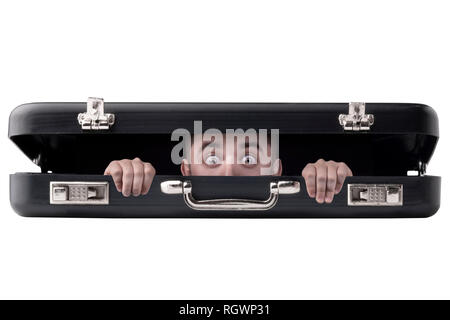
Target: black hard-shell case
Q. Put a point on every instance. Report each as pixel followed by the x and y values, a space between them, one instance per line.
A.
pixel 402 138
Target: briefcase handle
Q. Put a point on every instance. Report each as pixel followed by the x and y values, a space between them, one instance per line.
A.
pixel 185 188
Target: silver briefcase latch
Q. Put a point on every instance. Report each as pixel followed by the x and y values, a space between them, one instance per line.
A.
pixel 95 117
pixel 72 192
pixel 356 119
pixel 375 195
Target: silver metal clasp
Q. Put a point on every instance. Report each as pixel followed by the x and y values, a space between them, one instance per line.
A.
pixel 375 195
pixel 73 192
pixel 356 119
pixel 95 117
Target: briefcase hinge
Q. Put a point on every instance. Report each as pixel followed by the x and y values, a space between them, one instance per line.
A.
pixel 356 119
pixel 95 117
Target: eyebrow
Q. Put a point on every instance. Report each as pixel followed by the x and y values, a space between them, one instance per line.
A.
pixel 208 144
pixel 250 144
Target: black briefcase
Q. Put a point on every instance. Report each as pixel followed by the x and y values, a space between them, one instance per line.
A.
pixel 387 146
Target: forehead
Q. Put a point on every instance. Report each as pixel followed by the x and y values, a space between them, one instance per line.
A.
pixel 240 141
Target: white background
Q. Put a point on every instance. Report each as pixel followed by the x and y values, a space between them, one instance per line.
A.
pixel 293 51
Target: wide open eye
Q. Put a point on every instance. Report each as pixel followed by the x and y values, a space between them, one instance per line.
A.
pixel 249 160
pixel 212 160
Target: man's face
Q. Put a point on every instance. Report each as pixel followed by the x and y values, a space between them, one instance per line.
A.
pixel 230 157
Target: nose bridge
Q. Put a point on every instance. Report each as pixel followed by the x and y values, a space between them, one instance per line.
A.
pixel 229 161
pixel 229 169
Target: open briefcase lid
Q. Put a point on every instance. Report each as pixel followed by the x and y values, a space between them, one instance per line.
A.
pixel 74 137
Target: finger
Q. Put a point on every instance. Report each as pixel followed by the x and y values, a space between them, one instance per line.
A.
pixel 331 182
pixel 321 182
pixel 309 174
pixel 342 172
pixel 149 174
pixel 138 176
pixel 115 171
pixel 127 178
